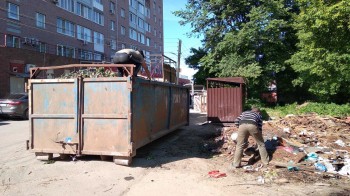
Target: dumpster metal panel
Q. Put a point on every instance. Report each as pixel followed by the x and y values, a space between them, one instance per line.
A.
pixel 54 97
pixel 105 116
pixel 225 99
pixel 53 115
pixel 55 135
pixel 224 104
pixel 156 110
pixel 106 137
pixel 180 107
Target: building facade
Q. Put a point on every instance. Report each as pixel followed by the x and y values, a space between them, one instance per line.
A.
pixel 84 30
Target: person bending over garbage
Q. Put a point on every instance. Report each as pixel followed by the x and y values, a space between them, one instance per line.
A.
pixel 250 123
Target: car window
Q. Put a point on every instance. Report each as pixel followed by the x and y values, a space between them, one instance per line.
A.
pixel 14 96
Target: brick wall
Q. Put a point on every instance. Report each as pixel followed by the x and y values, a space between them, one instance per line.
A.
pixel 10 55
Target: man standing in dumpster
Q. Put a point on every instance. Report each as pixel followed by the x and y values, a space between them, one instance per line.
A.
pixel 250 123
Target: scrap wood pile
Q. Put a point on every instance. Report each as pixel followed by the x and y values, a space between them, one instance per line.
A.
pixel 308 143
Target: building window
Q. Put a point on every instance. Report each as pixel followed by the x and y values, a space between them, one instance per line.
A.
pixel 84 34
pixel 147 41
pixel 85 55
pixel 122 30
pixel 13 11
pixel 132 34
pixel 133 18
pixel 66 4
pixel 123 46
pixel 65 27
pixel 132 3
pixel 141 38
pixel 98 38
pixel 84 11
pixel 65 51
pixel 97 57
pixel 13 41
pixel 160 34
pixel 111 7
pixel 122 13
pixel 140 23
pixel 98 18
pixel 141 8
pixel 112 25
pixel 147 27
pixel 41 47
pixel 148 12
pixel 40 20
pixel 113 44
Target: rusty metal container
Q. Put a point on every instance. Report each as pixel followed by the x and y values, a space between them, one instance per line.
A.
pixel 225 98
pixel 103 116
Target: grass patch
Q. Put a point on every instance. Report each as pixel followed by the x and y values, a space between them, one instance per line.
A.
pixel 323 109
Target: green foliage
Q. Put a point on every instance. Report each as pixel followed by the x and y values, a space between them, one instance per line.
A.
pixel 323 61
pixel 194 59
pixel 249 38
pixel 326 109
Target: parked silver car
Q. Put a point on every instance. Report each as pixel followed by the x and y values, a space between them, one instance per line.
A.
pixel 14 105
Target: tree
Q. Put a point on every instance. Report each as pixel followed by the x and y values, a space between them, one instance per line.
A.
pixel 194 59
pixel 194 62
pixel 323 59
pixel 248 38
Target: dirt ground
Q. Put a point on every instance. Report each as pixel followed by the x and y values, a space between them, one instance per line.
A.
pixel 177 164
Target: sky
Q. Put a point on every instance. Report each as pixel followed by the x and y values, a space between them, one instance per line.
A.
pixel 173 31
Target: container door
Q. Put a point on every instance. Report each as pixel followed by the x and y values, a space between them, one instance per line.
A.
pixel 54 116
pixel 106 116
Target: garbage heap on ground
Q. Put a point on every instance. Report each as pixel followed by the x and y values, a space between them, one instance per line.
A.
pixel 298 143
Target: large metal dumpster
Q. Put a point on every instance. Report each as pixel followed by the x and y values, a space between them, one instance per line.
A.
pixel 103 116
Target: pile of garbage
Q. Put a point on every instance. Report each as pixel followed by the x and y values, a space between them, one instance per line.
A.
pixel 299 143
pixel 90 73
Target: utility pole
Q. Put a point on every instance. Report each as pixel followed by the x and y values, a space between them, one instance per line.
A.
pixel 178 62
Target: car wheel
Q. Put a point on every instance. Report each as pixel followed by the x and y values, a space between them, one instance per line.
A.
pixel 26 114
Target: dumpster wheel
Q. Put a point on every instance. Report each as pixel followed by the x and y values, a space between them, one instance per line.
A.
pixel 126 161
pixel 43 156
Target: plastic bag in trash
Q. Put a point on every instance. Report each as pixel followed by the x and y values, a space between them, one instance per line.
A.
pixel 345 170
pixel 234 136
pixel 320 167
pixel 340 143
pixel 312 157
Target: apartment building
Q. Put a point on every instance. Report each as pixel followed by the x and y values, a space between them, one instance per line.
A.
pixel 78 30
pixel 82 29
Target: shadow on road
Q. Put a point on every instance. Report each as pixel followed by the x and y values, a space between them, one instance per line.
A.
pixel 195 140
